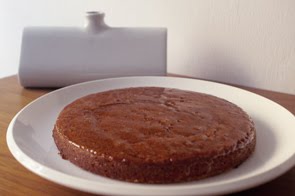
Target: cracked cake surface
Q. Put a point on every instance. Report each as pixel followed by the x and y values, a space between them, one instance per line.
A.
pixel 154 135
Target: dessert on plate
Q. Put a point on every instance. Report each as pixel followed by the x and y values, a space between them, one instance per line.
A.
pixel 154 134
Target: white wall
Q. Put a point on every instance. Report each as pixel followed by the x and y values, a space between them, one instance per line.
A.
pixel 250 42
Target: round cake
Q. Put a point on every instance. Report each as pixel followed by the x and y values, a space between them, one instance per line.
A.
pixel 154 135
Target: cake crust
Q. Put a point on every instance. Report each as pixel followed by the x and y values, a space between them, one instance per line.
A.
pixel 154 135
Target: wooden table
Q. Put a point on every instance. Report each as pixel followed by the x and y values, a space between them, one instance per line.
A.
pixel 16 180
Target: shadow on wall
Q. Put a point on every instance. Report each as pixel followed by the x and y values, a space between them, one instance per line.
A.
pixel 217 65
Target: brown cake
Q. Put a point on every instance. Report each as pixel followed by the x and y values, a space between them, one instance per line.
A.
pixel 154 135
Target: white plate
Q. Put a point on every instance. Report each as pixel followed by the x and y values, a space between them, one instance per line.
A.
pixel 29 139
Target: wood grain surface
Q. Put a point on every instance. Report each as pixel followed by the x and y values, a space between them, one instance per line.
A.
pixel 17 180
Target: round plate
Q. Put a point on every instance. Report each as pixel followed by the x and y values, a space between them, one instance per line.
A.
pixel 29 139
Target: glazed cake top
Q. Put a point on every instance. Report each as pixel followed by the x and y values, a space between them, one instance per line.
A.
pixel 154 124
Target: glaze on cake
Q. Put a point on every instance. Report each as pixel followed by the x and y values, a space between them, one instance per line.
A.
pixel 154 135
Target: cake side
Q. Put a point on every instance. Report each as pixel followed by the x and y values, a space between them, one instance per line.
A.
pixel 154 173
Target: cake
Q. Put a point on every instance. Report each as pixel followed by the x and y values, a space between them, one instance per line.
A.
pixel 154 135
